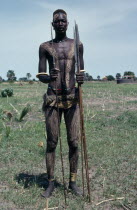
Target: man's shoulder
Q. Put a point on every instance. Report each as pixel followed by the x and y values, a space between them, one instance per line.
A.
pixel 72 40
pixel 45 45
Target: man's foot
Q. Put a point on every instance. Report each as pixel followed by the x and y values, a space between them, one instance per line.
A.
pixel 48 192
pixel 73 187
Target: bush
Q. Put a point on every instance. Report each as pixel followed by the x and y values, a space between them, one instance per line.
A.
pixel 7 92
pixel 31 82
pixel 110 78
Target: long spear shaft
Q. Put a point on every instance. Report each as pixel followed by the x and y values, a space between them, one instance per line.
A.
pixel 59 134
pixel 84 140
pixel 83 137
pixel 77 70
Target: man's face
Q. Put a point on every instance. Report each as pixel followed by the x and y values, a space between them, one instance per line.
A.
pixel 60 23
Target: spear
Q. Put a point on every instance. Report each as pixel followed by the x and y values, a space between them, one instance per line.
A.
pixel 82 129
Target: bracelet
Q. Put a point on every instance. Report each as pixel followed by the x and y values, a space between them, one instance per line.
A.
pixel 80 71
pixel 41 73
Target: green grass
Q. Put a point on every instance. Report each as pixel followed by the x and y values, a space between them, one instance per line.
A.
pixel 110 113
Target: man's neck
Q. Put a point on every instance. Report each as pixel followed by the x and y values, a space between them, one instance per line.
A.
pixel 60 37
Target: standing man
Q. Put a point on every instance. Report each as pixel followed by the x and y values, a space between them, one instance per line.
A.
pixel 59 53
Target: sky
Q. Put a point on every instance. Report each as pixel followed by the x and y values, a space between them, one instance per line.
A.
pixel 108 31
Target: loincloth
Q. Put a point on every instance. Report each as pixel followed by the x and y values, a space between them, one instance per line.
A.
pixel 62 101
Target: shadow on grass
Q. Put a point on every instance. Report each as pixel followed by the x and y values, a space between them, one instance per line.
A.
pixel 28 180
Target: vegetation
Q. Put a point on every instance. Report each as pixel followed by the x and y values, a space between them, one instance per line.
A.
pixel 98 77
pixel 11 75
pixel 28 75
pixel 24 79
pixel 1 79
pixel 24 112
pixel 129 73
pixel 110 78
pixel 111 131
pixel 88 77
pixel 7 92
pixel 118 76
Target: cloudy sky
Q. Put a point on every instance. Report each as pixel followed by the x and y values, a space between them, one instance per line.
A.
pixel 108 30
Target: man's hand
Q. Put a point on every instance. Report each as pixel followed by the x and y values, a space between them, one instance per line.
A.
pixel 54 73
pixel 80 77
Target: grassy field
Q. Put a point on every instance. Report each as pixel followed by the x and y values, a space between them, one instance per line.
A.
pixel 111 132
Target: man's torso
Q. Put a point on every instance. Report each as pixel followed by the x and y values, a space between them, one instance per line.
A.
pixel 63 53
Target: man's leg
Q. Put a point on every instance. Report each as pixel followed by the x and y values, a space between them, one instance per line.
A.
pixel 71 116
pixel 52 128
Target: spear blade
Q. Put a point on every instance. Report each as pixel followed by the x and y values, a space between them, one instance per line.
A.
pixel 52 47
pixel 76 47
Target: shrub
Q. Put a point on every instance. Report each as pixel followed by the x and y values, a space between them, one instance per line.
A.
pixel 7 92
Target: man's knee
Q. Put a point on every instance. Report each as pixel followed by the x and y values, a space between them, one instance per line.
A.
pixel 73 144
pixel 51 146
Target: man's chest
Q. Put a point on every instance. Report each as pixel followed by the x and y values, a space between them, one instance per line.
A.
pixel 62 50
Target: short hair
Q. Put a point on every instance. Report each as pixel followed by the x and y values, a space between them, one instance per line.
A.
pixel 58 11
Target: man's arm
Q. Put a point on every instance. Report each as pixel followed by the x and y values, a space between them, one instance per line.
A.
pixel 42 69
pixel 42 75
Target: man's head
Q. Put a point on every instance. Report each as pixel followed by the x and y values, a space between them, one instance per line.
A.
pixel 60 22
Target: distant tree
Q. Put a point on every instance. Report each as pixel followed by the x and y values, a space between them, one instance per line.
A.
pixel 14 78
pixel 129 73
pixel 11 75
pixel 98 77
pixel 28 75
pixel 90 78
pixel 118 76
pixel 24 79
pixel 1 79
pixel 110 78
pixel 87 77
